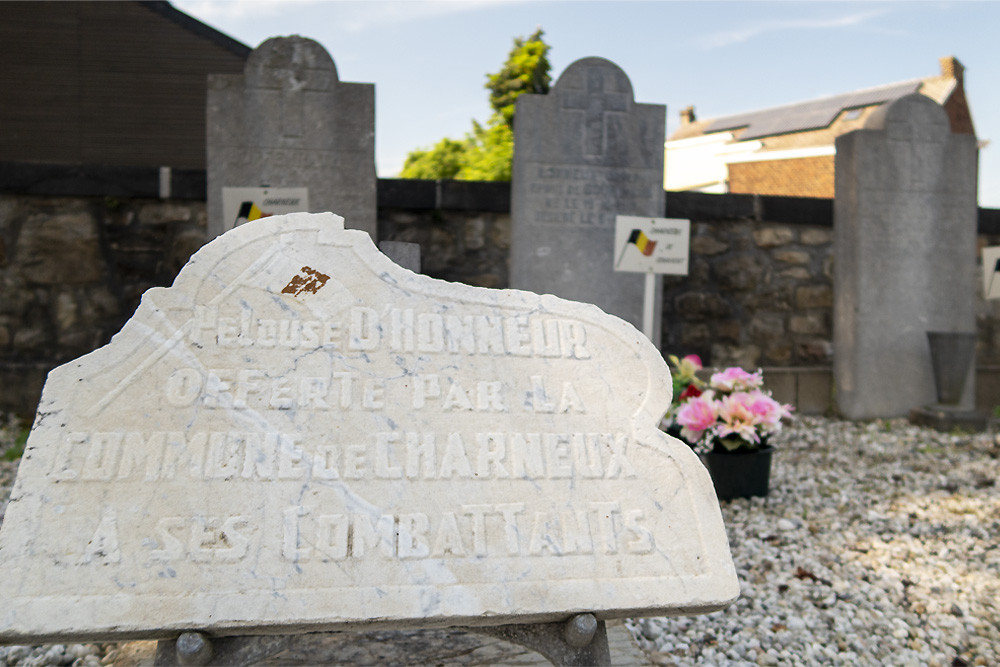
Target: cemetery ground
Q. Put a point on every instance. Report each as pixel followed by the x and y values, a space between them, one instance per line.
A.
pixel 879 544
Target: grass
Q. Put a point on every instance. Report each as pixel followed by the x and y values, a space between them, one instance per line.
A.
pixel 15 451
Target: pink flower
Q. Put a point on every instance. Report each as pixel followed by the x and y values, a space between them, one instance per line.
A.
pixel 697 415
pixel 737 417
pixel 695 360
pixel 735 378
pixel 768 411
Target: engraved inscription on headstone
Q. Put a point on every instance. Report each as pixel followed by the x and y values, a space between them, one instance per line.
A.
pixel 586 196
pixel 905 243
pixel 583 154
pixel 300 435
pixel 288 122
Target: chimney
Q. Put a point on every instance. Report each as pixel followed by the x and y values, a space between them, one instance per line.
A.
pixel 951 67
pixel 687 115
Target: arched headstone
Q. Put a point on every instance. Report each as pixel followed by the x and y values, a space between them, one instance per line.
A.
pixel 905 252
pixel 583 154
pixel 288 122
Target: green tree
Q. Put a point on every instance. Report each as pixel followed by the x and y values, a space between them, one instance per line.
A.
pixel 443 160
pixel 486 153
pixel 526 71
pixel 489 152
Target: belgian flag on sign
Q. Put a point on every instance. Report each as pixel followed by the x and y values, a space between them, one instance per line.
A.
pixel 248 212
pixel 642 242
pixel 639 239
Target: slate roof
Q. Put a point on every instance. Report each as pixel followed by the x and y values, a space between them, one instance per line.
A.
pixel 780 125
pixel 811 115
pixel 789 150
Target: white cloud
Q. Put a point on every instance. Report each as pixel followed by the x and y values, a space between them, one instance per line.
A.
pixel 214 10
pixel 370 14
pixel 352 16
pixel 757 28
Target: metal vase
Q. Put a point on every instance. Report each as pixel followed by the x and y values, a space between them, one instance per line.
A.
pixel 951 355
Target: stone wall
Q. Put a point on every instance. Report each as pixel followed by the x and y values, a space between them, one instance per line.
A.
pixel 463 228
pixel 987 312
pixel 758 294
pixel 759 291
pixel 72 271
pixel 73 268
pixel 987 322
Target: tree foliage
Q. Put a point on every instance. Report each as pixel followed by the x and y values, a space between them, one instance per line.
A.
pixel 526 71
pixel 443 160
pixel 487 152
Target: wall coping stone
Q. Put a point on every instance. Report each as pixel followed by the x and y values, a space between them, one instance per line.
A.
pixel 35 178
pixel 444 194
pixel 79 180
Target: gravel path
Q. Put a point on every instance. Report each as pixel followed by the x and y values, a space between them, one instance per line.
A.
pixel 878 545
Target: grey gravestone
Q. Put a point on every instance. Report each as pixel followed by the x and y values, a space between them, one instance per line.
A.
pixel 288 121
pixel 905 249
pixel 406 255
pixel 583 153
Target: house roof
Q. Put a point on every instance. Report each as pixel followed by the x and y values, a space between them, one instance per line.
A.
pixel 820 114
pixel 108 83
pixel 188 22
pixel 811 115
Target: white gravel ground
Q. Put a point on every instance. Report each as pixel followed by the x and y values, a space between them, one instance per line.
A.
pixel 878 545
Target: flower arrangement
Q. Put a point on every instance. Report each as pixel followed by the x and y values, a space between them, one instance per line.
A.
pixel 732 414
pixel 685 380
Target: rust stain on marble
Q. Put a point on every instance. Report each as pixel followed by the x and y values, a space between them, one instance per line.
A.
pixel 307 281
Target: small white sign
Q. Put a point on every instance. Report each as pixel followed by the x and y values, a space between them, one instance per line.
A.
pixel 652 245
pixel 240 205
pixel 991 272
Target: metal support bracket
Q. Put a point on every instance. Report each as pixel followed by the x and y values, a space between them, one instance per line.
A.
pixel 196 649
pixel 582 641
pixel 578 642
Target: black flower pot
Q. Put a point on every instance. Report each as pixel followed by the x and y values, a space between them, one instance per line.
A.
pixel 740 474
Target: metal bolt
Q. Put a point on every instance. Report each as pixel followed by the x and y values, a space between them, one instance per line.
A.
pixel 194 649
pixel 580 630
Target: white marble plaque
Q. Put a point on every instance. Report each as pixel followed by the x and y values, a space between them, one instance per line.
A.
pixel 300 435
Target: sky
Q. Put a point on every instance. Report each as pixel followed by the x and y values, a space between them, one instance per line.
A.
pixel 429 59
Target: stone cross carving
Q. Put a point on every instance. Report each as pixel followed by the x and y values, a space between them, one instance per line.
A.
pixel 289 122
pixel 292 91
pixel 292 70
pixel 584 153
pixel 597 103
